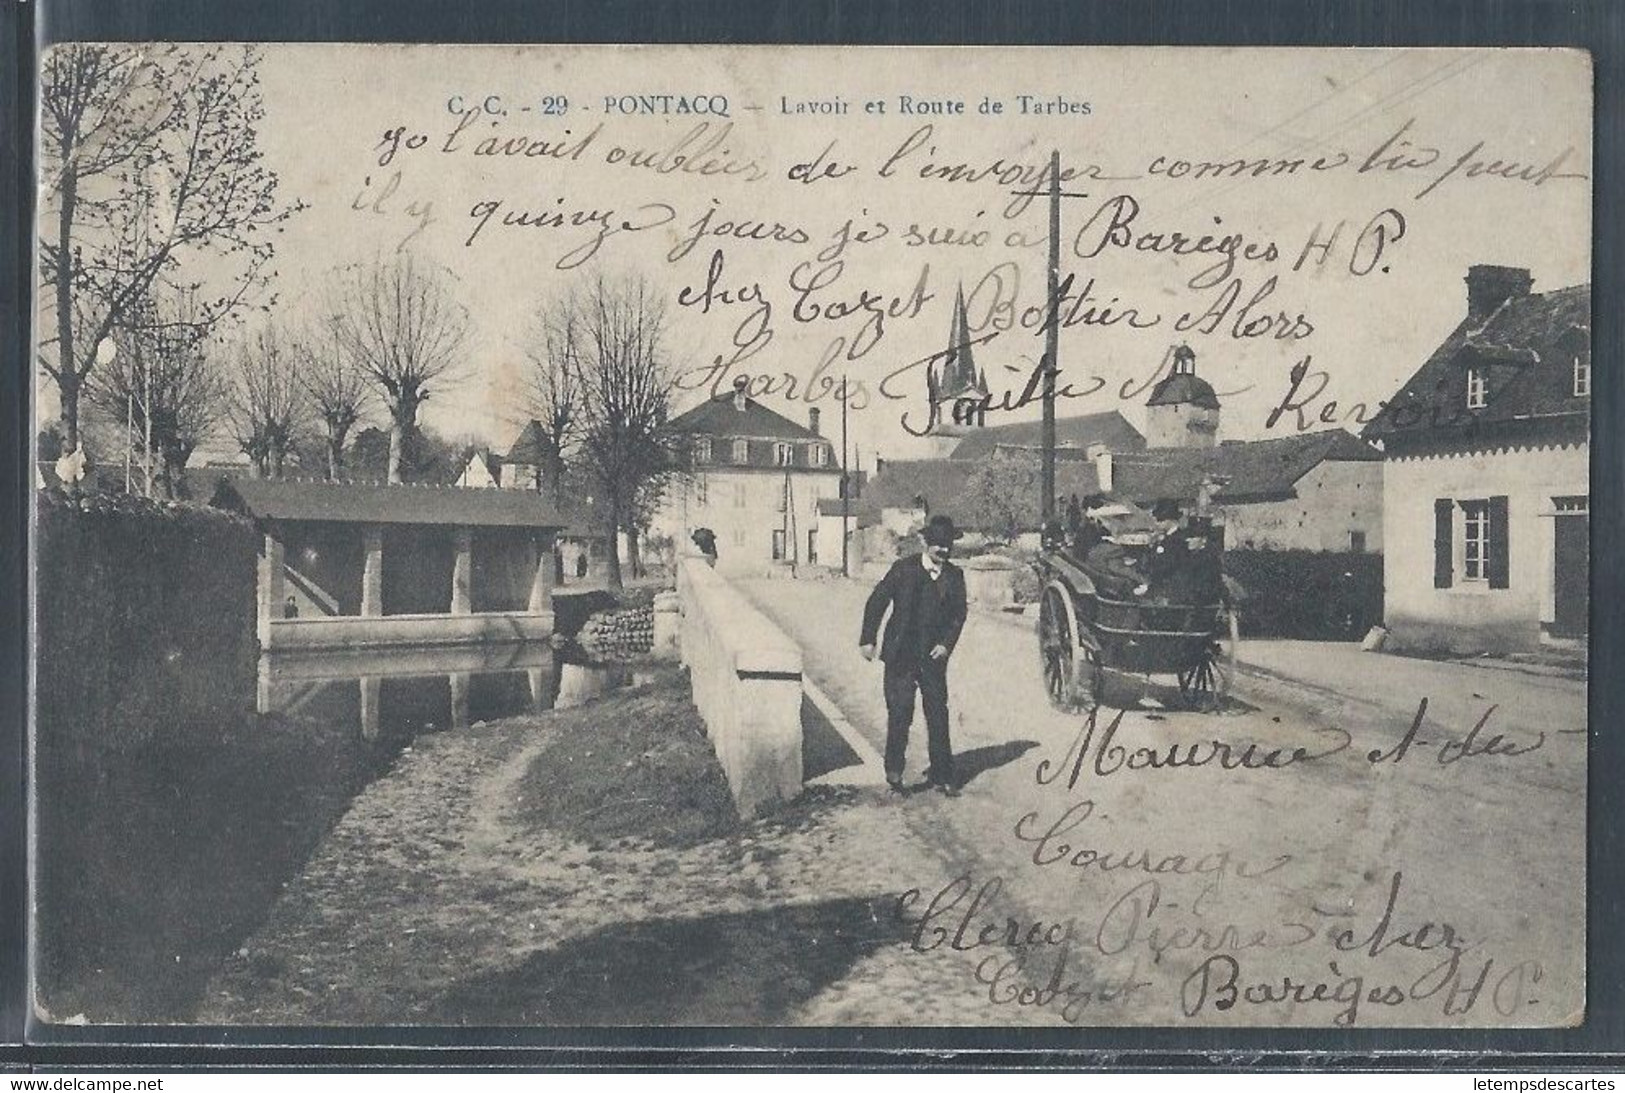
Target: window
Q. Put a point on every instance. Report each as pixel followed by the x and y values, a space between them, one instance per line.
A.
pixel 740 497
pixel 778 545
pixel 741 451
pixel 820 455
pixel 1477 388
pixel 784 494
pixel 739 537
pixel 702 450
pixel 1470 542
pixel 812 546
pixel 784 455
pixel 1475 540
pixel 1582 374
pixel 1357 542
pixel 701 490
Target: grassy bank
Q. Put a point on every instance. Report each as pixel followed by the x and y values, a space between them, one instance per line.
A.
pixel 583 866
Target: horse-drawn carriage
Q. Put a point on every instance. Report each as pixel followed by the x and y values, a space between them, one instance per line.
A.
pixel 1136 601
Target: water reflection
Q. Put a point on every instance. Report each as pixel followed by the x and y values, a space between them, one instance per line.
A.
pixel 393 695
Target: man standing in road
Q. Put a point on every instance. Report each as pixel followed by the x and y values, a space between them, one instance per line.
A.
pixel 926 595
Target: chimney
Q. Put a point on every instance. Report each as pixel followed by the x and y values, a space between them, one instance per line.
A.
pixel 1207 491
pixel 739 393
pixel 1103 469
pixel 1488 287
pixel 812 420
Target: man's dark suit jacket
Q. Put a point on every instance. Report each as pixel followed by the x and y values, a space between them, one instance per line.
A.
pixel 904 588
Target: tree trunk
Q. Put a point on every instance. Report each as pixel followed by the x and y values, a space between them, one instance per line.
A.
pixel 170 466
pixel 335 457
pixel 397 436
pixel 614 527
pixel 634 556
pixel 68 376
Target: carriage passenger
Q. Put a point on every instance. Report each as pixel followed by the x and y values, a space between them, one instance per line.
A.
pixel 1107 548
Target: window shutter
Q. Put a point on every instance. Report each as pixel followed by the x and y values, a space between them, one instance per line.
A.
pixel 1444 551
pixel 1498 562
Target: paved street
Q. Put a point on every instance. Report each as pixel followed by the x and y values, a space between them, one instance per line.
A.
pixel 1333 874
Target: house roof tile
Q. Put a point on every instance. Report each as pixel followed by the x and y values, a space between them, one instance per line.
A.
pixel 531 448
pixel 1252 470
pixel 369 503
pixel 717 417
pixel 1527 346
pixel 1082 431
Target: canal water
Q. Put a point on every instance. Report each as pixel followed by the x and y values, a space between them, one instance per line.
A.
pixel 155 864
pixel 391 696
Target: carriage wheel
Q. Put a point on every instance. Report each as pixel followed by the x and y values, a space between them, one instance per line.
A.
pixel 1205 684
pixel 1072 675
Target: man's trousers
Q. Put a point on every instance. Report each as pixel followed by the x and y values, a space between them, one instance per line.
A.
pixel 930 678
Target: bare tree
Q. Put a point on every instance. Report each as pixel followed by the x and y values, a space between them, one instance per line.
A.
pixel 554 350
pixel 152 170
pixel 624 382
pixel 160 389
pixel 338 391
pixel 266 401
pixel 400 322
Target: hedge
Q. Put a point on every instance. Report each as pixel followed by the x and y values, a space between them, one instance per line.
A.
pixel 145 624
pixel 1322 596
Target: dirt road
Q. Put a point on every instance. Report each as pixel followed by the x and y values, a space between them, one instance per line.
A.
pixel 1148 867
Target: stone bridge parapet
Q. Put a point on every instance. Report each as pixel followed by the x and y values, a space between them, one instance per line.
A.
pixel 746 677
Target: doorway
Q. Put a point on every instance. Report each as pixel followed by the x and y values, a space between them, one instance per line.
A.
pixel 1571 567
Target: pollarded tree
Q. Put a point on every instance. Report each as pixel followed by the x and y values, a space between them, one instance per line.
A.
pixel 152 181
pixel 338 390
pixel 160 389
pixel 625 381
pixel 400 322
pixel 553 348
pixel 266 399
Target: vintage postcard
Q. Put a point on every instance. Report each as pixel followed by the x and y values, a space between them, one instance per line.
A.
pixel 669 536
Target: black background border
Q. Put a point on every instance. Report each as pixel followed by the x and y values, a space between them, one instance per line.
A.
pixel 1596 25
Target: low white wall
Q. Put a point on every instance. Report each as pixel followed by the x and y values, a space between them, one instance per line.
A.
pixel 746 677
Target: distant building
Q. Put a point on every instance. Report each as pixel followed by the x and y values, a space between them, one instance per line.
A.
pixel 1318 491
pixel 528 462
pixel 756 480
pixel 1486 474
pixel 481 471
pixel 1183 410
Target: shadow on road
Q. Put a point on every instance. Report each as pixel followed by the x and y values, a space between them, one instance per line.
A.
pixel 823 749
pixel 1129 691
pixel 969 764
pixel 749 968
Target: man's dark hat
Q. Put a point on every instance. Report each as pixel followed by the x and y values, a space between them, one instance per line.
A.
pixel 940 531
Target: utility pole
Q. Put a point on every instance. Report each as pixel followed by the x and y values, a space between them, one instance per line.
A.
pixel 146 378
pixel 1052 340
pixel 846 486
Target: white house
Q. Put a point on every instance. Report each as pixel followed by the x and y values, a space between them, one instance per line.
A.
pixel 756 479
pixel 480 472
pixel 1485 475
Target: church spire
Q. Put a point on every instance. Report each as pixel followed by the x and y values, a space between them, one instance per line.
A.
pixel 959 372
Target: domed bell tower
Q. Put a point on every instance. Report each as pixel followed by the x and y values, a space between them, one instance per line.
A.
pixel 1183 411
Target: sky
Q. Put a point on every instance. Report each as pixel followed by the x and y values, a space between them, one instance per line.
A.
pixel 1413 148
